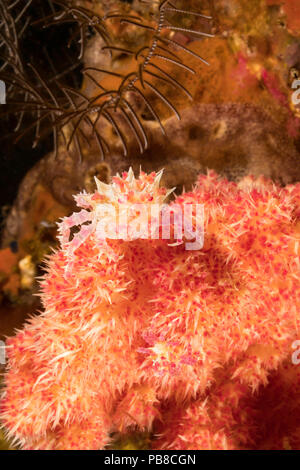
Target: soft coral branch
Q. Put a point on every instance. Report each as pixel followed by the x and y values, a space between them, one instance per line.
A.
pixel 138 324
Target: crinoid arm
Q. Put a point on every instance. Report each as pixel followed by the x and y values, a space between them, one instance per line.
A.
pixel 78 116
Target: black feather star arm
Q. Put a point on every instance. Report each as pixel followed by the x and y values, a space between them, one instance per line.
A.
pixel 70 112
pixel 36 99
pixel 11 30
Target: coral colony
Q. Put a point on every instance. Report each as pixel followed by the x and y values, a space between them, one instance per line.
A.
pixel 193 346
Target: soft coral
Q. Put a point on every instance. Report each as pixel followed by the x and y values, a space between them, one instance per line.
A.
pixel 135 328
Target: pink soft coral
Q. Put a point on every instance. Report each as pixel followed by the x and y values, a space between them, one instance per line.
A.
pixel 136 329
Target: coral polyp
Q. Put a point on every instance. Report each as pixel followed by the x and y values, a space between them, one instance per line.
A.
pixel 144 334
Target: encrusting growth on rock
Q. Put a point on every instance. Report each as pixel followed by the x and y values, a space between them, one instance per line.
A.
pixel 141 333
